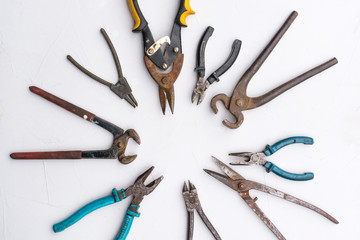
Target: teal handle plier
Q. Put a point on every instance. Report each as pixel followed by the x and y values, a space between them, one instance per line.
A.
pixel 258 158
pixel 138 190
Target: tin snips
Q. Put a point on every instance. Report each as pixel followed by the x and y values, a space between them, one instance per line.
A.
pixel 172 55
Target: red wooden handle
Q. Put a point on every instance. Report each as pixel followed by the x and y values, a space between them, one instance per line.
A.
pixel 64 104
pixel 47 155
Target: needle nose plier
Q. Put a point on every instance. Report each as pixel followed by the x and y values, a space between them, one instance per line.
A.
pixel 138 190
pixel 121 88
pixel 117 150
pixel 172 56
pixel 239 101
pixel 258 158
pixel 192 202
pixel 241 185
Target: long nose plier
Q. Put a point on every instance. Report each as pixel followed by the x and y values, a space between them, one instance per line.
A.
pixel 117 150
pixel 241 185
pixel 154 57
pixel 138 190
pixel 258 158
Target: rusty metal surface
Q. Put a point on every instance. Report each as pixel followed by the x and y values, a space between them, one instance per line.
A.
pixel 239 101
pixel 243 187
pixel 192 202
pixel 165 81
pixel 122 87
pixel 117 149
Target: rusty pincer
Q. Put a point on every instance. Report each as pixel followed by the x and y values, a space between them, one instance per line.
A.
pixel 239 101
pixel 117 149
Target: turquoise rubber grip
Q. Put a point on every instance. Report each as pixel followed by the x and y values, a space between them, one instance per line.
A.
pixel 88 208
pixel 291 176
pixel 272 149
pixel 127 222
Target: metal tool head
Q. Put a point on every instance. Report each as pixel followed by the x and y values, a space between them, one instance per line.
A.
pixel 121 143
pixel 199 91
pixel 235 111
pixel 123 90
pixel 165 81
pixel 190 197
pixel 248 158
pixel 139 189
pixel 232 177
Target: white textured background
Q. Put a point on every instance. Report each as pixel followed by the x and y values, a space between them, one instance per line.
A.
pixel 36 36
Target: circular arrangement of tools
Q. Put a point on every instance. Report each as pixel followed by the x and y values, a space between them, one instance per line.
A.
pixel 164 61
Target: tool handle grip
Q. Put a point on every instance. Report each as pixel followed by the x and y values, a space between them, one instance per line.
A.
pixel 140 21
pixel 82 212
pixel 200 58
pixel 47 155
pixel 184 11
pixel 127 222
pixel 229 62
pixel 272 149
pixel 64 104
pixel 284 174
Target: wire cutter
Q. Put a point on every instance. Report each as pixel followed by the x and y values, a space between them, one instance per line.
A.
pixel 239 101
pixel 117 150
pixel 121 88
pixel 258 158
pixel 172 56
pixel 238 183
pixel 138 190
pixel 201 85
pixel 192 202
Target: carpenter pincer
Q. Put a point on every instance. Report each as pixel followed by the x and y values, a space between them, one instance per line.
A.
pixel 239 101
pixel 117 149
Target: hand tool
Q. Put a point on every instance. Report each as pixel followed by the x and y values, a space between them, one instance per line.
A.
pixel 258 158
pixel 202 85
pixel 138 190
pixel 192 202
pixel 238 183
pixel 121 88
pixel 239 101
pixel 172 56
pixel 117 150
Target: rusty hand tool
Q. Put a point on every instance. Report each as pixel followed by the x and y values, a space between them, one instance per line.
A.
pixel 172 55
pixel 117 150
pixel 238 183
pixel 257 158
pixel 239 101
pixel 121 88
pixel 192 202
pixel 201 84
pixel 138 190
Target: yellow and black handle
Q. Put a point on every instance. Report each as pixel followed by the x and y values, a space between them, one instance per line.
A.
pixel 140 21
pixel 184 11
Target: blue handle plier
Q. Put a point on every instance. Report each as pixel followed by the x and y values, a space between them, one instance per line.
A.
pixel 138 190
pixel 258 158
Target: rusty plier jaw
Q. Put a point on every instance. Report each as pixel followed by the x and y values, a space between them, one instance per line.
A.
pixel 248 158
pixel 121 144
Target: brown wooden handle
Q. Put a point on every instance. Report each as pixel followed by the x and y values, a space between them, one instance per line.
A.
pixel 64 104
pixel 47 155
